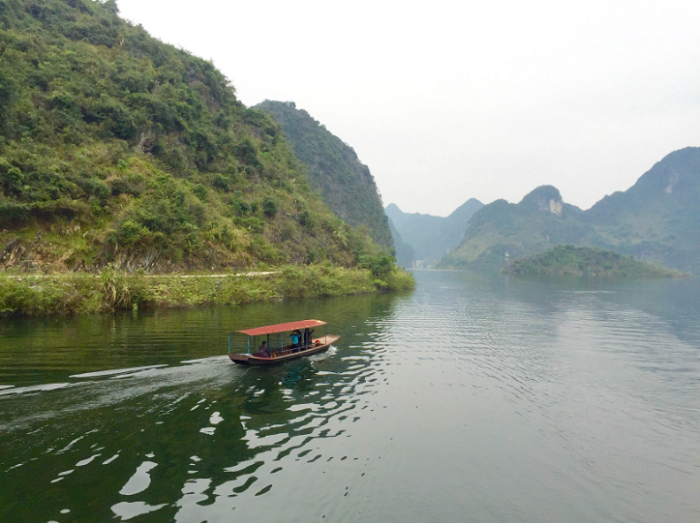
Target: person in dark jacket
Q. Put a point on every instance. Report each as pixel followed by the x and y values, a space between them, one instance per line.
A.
pixel 307 337
pixel 263 351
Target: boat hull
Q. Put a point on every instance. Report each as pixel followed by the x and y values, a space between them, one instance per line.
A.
pixel 250 359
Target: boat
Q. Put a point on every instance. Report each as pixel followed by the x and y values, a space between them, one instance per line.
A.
pixel 278 342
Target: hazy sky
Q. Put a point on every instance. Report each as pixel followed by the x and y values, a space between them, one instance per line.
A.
pixel 445 101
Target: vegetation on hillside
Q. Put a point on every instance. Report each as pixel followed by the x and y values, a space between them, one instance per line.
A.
pixel 567 260
pixel 334 171
pixel 118 149
pixel 658 218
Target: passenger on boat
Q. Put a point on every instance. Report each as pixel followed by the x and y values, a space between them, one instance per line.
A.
pixel 263 352
pixel 307 337
pixel 296 339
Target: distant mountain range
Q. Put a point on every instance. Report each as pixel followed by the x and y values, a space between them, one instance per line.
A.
pixel 431 237
pixel 334 170
pixel 657 220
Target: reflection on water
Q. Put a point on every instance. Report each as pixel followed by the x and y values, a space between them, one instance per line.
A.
pixel 471 399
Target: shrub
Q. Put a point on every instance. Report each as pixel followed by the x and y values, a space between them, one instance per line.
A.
pixel 240 207
pixel 380 266
pixel 222 183
pixel 98 188
pixel 246 152
pixel 269 207
pixel 127 233
pixel 115 288
pixel 200 191
pixel 12 213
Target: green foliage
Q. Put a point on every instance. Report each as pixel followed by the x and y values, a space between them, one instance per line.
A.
pixel 114 289
pixel 269 207
pixel 334 171
pixel 132 149
pixel 379 266
pixel 12 213
pixel 201 192
pixel 567 260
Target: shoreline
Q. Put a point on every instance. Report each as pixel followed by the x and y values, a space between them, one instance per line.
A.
pixel 111 290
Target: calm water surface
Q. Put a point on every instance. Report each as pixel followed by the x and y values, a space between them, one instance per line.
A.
pixel 470 399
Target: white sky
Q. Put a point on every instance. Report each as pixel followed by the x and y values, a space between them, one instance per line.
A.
pixel 445 101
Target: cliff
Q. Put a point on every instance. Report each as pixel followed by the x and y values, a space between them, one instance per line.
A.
pixel 334 170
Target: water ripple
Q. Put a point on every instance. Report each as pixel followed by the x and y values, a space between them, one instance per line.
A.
pixel 492 401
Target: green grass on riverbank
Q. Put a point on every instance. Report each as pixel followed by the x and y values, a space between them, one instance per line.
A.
pixel 78 293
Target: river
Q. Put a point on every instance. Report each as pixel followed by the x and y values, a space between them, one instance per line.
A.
pixel 470 399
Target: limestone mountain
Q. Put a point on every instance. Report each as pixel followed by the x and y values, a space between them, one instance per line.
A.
pixel 118 149
pixel 432 236
pixel 502 231
pixel 334 170
pixel 656 220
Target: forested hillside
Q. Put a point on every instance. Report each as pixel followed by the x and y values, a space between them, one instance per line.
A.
pixel 117 148
pixel 432 237
pixel 567 260
pixel 656 220
pixel 334 171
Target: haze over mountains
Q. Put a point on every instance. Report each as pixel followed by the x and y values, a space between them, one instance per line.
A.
pixel 405 254
pixel 657 220
pixel 431 237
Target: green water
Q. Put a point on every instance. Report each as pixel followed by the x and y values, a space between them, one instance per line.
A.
pixel 470 399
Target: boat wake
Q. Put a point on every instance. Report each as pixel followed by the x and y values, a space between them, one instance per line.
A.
pixel 321 356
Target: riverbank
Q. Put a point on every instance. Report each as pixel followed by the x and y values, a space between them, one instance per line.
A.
pixel 111 290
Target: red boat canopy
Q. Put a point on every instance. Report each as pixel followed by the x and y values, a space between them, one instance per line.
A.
pixel 283 327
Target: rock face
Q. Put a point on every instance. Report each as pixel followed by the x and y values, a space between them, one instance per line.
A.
pixel 656 220
pixel 334 170
pixel 11 252
pixel 432 237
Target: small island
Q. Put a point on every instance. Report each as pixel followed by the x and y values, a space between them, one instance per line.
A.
pixel 568 260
